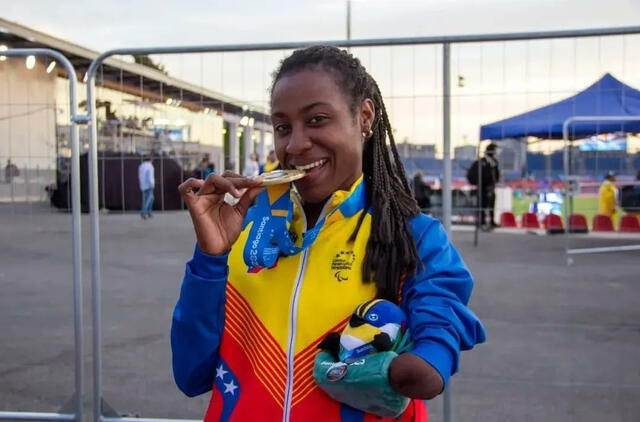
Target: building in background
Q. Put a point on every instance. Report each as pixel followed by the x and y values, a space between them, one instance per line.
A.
pixel 140 110
pixel 409 150
pixel 465 152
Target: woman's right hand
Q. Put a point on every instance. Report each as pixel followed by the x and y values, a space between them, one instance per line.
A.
pixel 218 224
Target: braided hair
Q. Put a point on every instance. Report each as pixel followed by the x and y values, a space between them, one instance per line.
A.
pixel 391 251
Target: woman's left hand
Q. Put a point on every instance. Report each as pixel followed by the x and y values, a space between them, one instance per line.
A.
pixel 412 377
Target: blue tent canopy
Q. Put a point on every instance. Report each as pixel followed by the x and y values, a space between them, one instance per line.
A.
pixel 607 97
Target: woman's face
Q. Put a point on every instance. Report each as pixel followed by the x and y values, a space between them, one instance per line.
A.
pixel 315 131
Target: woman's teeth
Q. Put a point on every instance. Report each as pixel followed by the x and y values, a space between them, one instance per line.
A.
pixel 308 167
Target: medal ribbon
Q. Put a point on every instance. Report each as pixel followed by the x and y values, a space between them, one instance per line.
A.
pixel 271 217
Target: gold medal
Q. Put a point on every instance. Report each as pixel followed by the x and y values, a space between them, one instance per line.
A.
pixel 278 177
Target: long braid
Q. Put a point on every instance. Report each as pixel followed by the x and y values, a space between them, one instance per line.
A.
pixel 392 141
pixel 391 251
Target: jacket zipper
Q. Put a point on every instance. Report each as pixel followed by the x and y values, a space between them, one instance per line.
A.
pixel 293 317
pixel 292 337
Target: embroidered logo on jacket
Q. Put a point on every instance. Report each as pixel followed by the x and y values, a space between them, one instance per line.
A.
pixel 341 264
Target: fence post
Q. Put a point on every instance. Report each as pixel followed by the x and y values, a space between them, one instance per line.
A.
pixel 76 239
pixel 446 181
pixel 446 132
pixel 96 285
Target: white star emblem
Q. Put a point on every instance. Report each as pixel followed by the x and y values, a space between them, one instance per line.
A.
pixel 230 388
pixel 220 372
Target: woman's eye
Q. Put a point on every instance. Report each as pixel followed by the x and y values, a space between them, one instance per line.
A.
pixel 317 119
pixel 281 128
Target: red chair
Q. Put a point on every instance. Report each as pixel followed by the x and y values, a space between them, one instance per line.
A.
pixel 553 224
pixel 507 219
pixel 602 223
pixel 629 223
pixel 578 223
pixel 530 221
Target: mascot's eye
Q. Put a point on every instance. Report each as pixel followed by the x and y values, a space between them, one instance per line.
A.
pixel 373 317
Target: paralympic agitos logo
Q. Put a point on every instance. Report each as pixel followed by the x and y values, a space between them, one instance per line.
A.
pixel 341 264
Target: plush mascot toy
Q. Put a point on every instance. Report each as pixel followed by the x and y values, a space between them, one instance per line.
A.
pixel 373 327
pixel 353 366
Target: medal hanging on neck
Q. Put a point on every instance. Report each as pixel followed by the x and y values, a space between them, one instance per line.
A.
pixel 271 216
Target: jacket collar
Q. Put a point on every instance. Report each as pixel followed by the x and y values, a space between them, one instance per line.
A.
pixel 349 202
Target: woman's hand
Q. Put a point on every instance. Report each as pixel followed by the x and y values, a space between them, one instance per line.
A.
pixel 218 224
pixel 412 377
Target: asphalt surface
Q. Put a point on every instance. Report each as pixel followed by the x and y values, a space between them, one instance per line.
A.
pixel 563 342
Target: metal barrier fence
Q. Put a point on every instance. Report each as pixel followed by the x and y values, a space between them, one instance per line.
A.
pixel 76 407
pixel 445 42
pixel 570 191
pixel 444 98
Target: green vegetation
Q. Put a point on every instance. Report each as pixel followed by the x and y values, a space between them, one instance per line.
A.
pixel 521 205
pixel 583 204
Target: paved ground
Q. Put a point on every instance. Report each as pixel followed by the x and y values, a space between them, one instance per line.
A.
pixel 563 342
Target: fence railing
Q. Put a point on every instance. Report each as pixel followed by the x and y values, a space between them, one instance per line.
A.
pixel 444 41
pixel 75 245
pixel 444 208
pixel 570 191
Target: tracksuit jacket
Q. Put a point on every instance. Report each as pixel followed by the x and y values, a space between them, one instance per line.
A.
pixel 251 337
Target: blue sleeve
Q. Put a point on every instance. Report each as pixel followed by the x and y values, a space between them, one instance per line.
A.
pixel 436 299
pixel 198 321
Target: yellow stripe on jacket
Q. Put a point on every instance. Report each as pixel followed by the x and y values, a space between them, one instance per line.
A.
pixel 331 284
pixel 328 279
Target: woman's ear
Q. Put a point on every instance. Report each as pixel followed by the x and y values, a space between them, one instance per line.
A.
pixel 367 116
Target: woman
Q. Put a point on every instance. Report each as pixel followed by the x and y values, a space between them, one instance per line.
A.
pixel 607 196
pixel 272 162
pixel 252 335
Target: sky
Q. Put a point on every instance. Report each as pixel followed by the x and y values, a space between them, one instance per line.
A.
pixel 500 79
pixel 116 23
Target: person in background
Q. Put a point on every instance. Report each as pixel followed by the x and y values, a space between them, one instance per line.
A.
pixel 203 170
pixel 629 197
pixel 251 166
pixel 486 178
pixel 147 181
pixel 272 162
pixel 607 196
pixel 10 171
pixel 421 191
